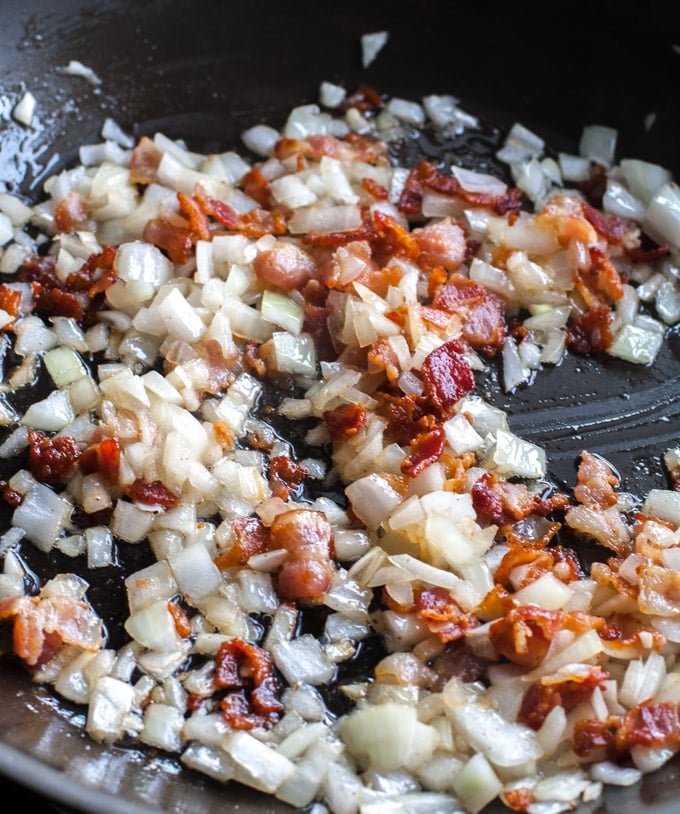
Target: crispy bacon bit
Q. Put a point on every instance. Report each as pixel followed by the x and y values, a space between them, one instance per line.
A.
pixel 152 493
pixel 43 624
pixel 52 460
pixel 56 303
pixel 285 476
pixel 649 724
pixel 172 235
pixel 590 332
pixel 611 228
pixel 600 283
pixel 447 375
pixel 181 620
pixel 375 189
pixel 70 212
pixel 308 570
pixel 246 672
pixel 441 244
pixel 257 187
pixel 364 98
pixel 10 300
pixel 103 457
pixel 250 538
pixel 595 739
pixel 444 616
pixel 345 420
pixel 568 692
pixel 648 255
pixel 425 450
pixel 524 635
pixel 224 214
pixel 595 482
pixel 198 220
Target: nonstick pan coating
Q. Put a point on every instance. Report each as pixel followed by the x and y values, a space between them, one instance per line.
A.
pixel 204 71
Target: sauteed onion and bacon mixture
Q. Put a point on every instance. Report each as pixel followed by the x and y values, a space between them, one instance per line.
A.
pixel 183 308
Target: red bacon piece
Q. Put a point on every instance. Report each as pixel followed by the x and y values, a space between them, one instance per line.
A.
pixel 444 616
pixel 152 493
pixel 285 476
pixel 246 672
pixel 103 457
pixel 345 420
pixel 426 448
pixel 540 698
pixel 251 537
pixel 52 460
pixel 591 332
pixel 10 300
pixel 447 375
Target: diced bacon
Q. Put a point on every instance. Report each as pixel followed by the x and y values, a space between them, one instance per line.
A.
pixel 42 625
pixel 345 420
pixel 102 456
pixel 524 634
pixel 10 301
pixel 246 672
pixel 172 235
pixel 52 460
pixel 444 616
pixel 426 448
pixel 447 375
pixel 285 476
pixel 595 481
pixel 441 244
pixel 250 538
pixel 152 493
pixel 307 572
pixel 566 691
pixel 591 332
pixel 285 266
pixel 70 212
pixel 144 161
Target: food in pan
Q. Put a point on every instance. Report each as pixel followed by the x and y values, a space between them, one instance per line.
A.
pixel 360 591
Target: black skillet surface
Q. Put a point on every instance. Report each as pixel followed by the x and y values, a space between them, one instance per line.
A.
pixel 204 71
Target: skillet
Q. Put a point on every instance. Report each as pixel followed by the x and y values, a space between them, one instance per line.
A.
pixel 204 71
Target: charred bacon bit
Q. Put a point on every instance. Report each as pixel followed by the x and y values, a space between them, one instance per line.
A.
pixel 52 460
pixel 408 417
pixel 285 476
pixel 250 537
pixel 543 696
pixel 447 376
pixel 426 448
pixel 443 615
pixel 611 228
pixel 103 457
pixel 152 493
pixel 71 211
pixel 591 332
pixel 43 624
pixel 345 420
pixel 308 569
pixel 246 672
pixel 595 739
pixel 648 255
